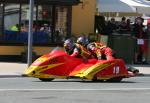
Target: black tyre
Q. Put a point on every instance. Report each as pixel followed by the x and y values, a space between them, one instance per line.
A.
pixel 46 79
pixel 97 80
pixel 116 79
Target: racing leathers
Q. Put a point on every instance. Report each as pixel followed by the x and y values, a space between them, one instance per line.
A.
pixel 79 51
pixel 99 49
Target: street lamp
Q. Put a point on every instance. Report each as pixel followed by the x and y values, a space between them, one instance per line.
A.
pixel 30 35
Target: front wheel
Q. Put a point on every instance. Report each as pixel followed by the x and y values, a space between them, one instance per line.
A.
pixel 97 80
pixel 46 79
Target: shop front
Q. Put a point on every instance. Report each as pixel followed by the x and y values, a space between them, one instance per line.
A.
pixel 51 21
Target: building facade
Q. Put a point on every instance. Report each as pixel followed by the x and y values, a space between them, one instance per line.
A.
pixel 66 18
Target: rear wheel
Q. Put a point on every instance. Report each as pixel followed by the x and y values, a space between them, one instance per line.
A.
pixel 116 79
pixel 46 79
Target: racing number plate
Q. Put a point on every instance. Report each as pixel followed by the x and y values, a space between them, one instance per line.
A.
pixel 116 70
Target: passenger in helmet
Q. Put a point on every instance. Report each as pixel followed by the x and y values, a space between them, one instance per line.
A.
pixel 99 49
pixel 76 50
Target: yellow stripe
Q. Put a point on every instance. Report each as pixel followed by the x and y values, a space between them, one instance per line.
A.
pixel 50 76
pixel 89 73
pixel 46 67
pixel 39 69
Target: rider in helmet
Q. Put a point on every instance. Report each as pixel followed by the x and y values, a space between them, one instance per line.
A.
pixel 83 41
pixel 99 49
pixel 76 50
pixel 69 46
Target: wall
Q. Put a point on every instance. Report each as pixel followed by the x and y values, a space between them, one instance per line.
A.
pixel 83 16
pixel 11 50
pixel 17 50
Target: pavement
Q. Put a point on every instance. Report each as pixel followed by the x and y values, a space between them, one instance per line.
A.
pixel 8 69
pixel 144 69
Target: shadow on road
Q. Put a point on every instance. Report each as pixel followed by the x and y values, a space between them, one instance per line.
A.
pixel 84 81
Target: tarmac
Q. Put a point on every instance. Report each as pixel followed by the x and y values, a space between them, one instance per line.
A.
pixel 8 69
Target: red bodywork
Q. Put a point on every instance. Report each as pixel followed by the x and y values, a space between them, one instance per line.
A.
pixel 58 64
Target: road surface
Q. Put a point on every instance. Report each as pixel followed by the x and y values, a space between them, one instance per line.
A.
pixel 32 90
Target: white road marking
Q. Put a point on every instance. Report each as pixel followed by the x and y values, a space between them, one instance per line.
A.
pixel 104 89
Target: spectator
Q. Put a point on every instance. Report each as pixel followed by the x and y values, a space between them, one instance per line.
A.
pixel 128 26
pixel 36 27
pixel 23 28
pixel 147 38
pixel 123 26
pixel 111 26
pixel 15 28
pixel 138 28
pixel 138 34
pixel 45 28
pixel 147 31
pixel 100 25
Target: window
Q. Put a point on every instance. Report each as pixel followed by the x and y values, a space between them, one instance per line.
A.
pixel 49 24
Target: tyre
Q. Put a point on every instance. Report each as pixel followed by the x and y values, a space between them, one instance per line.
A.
pixel 116 79
pixel 46 79
pixel 97 80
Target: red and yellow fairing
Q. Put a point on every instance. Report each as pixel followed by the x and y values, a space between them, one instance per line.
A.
pixel 58 64
pixel 55 64
pixel 102 69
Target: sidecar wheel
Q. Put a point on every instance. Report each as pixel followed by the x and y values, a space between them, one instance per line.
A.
pixel 46 79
